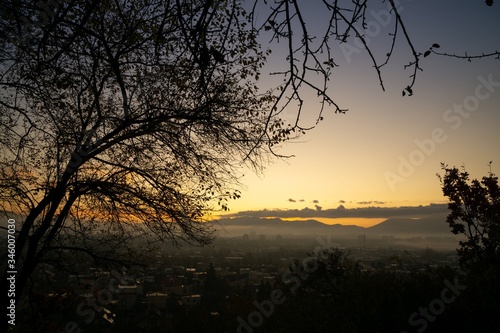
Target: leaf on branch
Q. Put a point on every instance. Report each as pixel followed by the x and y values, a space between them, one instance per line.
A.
pixel 427 53
pixel 436 46
pixel 409 90
pixel 219 57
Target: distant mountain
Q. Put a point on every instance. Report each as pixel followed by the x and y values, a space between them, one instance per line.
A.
pixel 432 225
pixel 426 225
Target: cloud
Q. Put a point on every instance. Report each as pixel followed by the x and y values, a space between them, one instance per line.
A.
pixel 316 201
pixel 318 208
pixel 292 200
pixel 301 200
pixel 341 211
pixel 341 201
pixel 370 203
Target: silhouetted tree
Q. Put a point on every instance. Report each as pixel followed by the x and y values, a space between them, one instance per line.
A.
pixel 329 292
pixel 215 289
pixel 475 213
pixel 119 129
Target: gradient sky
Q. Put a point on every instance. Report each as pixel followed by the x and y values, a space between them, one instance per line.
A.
pixel 348 158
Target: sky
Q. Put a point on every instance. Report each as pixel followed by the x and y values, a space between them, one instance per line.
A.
pixel 387 149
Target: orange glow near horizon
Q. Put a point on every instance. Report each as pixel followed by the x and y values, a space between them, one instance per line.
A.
pixel 358 221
